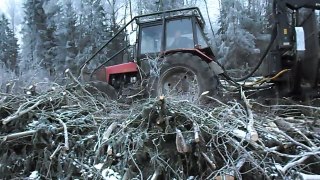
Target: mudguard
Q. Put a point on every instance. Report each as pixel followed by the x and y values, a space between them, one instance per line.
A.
pixel 216 68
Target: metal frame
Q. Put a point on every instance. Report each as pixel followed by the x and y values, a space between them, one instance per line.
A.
pixel 138 19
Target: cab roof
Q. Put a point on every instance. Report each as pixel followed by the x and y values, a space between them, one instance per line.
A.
pixel 170 14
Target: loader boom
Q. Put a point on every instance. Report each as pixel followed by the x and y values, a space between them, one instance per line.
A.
pixel 295 46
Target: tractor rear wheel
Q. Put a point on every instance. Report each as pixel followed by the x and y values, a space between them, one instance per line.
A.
pixel 185 76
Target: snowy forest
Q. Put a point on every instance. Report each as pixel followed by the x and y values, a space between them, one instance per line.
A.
pixel 57 35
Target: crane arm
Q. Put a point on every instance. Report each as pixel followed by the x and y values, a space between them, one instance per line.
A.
pixel 285 27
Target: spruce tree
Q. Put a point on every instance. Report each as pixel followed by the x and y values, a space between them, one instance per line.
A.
pixel 237 39
pixel 67 35
pixel 8 45
pixel 38 37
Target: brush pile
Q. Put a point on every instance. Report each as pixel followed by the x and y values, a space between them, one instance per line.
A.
pixel 69 133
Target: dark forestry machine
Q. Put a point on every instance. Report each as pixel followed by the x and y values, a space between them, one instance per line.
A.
pixel 292 63
pixel 172 56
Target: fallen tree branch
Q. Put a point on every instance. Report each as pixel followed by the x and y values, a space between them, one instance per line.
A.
pixel 74 79
pixel 286 126
pixel 65 132
pixel 156 174
pixel 17 135
pixel 20 113
pixel 284 169
pixel 303 176
pixel 253 134
pixel 232 173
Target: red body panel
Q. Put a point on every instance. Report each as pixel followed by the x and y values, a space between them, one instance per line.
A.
pixel 120 68
pixel 133 67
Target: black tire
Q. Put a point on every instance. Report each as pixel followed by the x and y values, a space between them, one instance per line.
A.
pixel 96 87
pixel 206 79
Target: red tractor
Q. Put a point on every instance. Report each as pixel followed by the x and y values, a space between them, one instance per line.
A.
pixel 171 57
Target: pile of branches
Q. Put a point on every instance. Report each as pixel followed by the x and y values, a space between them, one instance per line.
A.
pixel 68 132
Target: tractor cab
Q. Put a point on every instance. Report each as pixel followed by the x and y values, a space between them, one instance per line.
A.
pixel 169 32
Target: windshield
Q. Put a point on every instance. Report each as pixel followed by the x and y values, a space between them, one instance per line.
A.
pixel 151 39
pixel 179 34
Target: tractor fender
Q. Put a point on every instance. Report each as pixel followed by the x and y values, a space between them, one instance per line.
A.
pixel 216 68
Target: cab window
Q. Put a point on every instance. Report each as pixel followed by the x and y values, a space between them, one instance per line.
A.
pixel 151 39
pixel 179 34
pixel 201 39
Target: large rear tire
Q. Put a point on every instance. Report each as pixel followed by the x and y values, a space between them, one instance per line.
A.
pixel 186 76
pixel 100 87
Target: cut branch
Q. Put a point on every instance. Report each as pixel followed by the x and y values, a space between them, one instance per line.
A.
pixel 211 163
pixel 108 132
pixel 65 132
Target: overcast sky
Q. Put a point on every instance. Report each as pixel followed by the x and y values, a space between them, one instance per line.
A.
pixel 14 8
pixel 5 4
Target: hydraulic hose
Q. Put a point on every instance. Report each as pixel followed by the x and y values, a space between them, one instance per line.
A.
pixel 273 38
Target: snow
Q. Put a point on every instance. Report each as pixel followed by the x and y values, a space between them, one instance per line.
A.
pixel 33 124
pixel 98 166
pixel 109 174
pixel 34 175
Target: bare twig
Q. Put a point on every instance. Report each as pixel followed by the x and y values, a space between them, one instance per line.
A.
pixel 55 151
pixel 284 169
